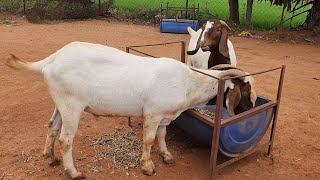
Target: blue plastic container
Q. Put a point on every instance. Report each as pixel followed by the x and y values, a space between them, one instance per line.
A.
pixel 178 26
pixel 234 138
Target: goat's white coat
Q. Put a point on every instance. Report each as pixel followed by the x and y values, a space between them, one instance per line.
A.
pixel 200 59
pixel 106 81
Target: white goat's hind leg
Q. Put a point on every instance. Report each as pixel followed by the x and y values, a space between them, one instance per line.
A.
pixel 70 121
pixel 150 126
pixel 166 155
pixel 53 129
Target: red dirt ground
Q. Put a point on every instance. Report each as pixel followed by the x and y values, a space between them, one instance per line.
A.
pixel 25 106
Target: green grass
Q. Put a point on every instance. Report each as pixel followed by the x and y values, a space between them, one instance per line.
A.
pixel 264 16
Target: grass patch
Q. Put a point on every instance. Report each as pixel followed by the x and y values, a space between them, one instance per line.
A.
pixel 264 16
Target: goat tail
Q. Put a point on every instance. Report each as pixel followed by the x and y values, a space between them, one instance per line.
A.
pixel 15 63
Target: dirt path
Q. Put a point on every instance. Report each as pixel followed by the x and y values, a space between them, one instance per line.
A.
pixel 25 106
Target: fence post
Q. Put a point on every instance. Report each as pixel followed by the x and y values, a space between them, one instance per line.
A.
pixel 99 7
pixel 187 5
pixel 24 6
pixel 281 20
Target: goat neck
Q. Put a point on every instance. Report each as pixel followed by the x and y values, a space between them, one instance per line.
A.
pixel 201 88
pixel 217 58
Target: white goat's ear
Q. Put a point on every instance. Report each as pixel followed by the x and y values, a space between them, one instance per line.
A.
pixel 253 96
pixel 190 31
pixel 233 99
pixel 223 43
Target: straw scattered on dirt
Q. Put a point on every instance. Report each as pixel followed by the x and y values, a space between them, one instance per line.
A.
pixel 205 112
pixel 123 148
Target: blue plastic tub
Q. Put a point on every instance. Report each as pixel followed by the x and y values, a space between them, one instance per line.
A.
pixel 178 25
pixel 234 138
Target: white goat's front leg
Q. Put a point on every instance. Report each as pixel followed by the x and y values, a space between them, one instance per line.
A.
pixel 150 126
pixel 166 155
pixel 70 122
pixel 53 129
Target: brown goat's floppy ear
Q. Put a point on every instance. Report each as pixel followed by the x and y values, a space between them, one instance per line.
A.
pixel 223 43
pixel 233 99
pixel 253 94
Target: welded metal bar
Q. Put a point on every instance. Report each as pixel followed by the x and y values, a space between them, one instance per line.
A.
pixel 167 9
pixel 129 118
pixel 161 12
pixel 246 114
pixel 187 5
pixel 276 113
pixel 198 13
pixel 180 8
pixel 183 52
pixel 200 117
pixel 216 130
pixel 242 155
pixel 159 44
pixel 142 53
pixel 274 69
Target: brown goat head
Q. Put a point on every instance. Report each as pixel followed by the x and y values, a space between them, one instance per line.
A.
pixel 215 36
pixel 240 95
pixel 239 99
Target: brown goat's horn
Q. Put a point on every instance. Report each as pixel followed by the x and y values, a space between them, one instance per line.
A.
pixel 231 73
pixel 225 24
pixel 223 67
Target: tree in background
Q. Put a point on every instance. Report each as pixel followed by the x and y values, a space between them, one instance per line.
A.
pixel 234 11
pixel 312 21
pixel 249 13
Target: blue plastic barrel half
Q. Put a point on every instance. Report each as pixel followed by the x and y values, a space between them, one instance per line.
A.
pixel 234 138
pixel 177 25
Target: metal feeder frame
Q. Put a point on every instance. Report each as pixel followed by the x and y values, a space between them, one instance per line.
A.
pixel 217 123
pixel 187 9
pixel 194 10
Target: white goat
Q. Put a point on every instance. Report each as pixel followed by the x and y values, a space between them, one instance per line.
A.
pixel 210 46
pixel 106 81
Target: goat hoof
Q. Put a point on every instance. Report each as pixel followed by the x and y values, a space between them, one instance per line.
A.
pixel 148 168
pixel 148 172
pixel 167 158
pixel 54 162
pixel 77 175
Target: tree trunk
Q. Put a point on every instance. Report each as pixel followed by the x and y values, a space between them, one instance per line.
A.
pixel 313 18
pixel 234 11
pixel 249 13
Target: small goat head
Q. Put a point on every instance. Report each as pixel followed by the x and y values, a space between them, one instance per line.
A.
pixel 214 36
pixel 240 95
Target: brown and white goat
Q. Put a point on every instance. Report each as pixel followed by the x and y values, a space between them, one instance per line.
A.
pixel 210 46
pixel 105 81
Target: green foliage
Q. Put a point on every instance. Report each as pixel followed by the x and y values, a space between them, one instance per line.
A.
pixel 264 15
pixel 60 9
pixel 11 6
